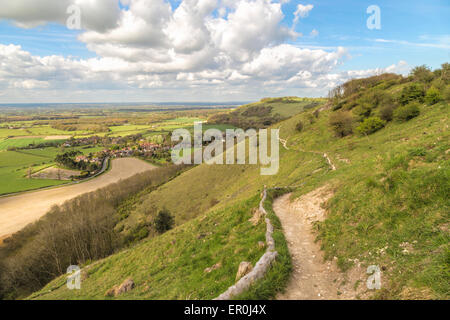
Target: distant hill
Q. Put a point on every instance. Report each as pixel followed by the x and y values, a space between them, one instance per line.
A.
pixel 266 112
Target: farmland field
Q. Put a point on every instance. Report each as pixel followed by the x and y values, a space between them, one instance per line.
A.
pixel 16 165
pixel 24 142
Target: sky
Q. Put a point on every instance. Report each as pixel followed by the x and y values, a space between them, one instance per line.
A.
pixel 68 51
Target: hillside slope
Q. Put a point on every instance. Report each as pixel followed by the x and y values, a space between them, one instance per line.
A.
pixel 390 206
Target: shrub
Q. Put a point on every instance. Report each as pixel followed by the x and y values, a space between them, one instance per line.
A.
pixel 371 125
pixel 164 221
pixel 299 126
pixel 405 113
pixel 342 123
pixel 411 93
pixel 433 96
pixel 387 112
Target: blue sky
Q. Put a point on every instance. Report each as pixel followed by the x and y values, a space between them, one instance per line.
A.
pixel 415 32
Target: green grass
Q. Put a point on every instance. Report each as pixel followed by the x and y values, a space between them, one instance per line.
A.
pixel 172 266
pixel 19 143
pixel 22 142
pixel 13 170
pixel 37 130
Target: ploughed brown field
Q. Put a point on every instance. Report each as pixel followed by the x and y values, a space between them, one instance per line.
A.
pixel 18 211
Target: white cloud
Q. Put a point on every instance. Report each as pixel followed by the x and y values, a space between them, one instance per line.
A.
pixel 302 12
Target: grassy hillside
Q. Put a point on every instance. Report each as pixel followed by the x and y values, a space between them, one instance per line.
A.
pixel 390 206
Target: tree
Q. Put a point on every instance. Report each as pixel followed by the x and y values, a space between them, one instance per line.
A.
pixel 164 221
pixel 299 126
pixel 342 123
pixel 422 74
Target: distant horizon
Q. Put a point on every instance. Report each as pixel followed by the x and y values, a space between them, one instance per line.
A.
pixel 124 104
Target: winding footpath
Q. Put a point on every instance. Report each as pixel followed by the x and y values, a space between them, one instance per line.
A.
pixel 312 278
pixel 17 211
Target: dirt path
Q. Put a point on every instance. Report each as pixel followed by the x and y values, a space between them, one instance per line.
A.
pixel 327 158
pixel 312 278
pixel 19 210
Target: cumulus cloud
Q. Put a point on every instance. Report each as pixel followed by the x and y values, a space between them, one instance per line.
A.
pixel 237 47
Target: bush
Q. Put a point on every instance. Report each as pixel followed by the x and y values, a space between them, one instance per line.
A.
pixel 433 96
pixel 362 111
pixel 299 126
pixel 342 123
pixel 405 113
pixel 387 112
pixel 412 93
pixel 164 221
pixel 370 125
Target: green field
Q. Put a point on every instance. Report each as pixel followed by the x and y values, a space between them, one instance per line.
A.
pixel 15 166
pixel 36 130
pixel 23 142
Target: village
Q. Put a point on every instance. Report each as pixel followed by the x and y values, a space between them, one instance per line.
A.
pixel 143 148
